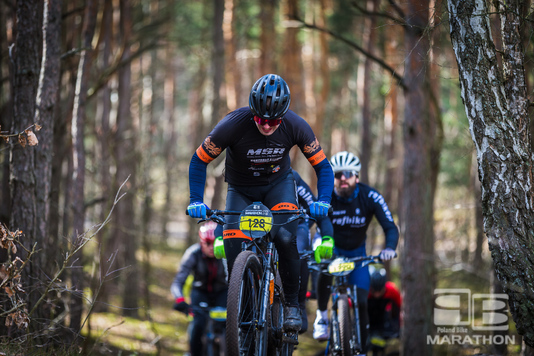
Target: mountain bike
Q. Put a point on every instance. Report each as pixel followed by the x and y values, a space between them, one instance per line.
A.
pixel 345 337
pixel 255 306
pixel 215 334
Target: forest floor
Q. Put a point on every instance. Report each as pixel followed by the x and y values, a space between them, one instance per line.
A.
pixel 161 331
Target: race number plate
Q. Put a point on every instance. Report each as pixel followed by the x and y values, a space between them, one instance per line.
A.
pixel 256 220
pixel 340 267
pixel 218 314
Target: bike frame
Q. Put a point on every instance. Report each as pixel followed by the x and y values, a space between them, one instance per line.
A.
pixel 339 287
pixel 213 335
pixel 263 247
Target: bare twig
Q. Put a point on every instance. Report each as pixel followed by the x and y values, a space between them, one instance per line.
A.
pixel 384 65
pixel 68 255
pixel 364 11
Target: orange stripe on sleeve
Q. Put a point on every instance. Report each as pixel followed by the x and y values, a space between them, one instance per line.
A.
pixel 235 234
pixel 284 206
pixel 201 153
pixel 316 158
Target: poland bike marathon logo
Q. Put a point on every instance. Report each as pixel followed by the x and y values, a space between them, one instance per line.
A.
pixel 465 318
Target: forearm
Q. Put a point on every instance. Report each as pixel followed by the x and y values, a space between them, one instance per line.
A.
pixel 197 179
pixel 325 181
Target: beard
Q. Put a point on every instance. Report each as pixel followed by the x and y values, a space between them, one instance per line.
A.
pixel 345 192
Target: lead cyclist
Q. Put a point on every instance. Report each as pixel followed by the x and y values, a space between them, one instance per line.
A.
pixel 257 140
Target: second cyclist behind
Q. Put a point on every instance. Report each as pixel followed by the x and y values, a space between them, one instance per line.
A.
pixel 354 204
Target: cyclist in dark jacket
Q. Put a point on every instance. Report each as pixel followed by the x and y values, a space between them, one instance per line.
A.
pixel 257 140
pixel 384 305
pixel 324 228
pixel 209 284
pixel 354 205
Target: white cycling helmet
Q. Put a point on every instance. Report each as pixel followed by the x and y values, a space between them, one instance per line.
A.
pixel 345 161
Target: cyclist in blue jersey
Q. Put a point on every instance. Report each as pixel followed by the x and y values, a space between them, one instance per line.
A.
pixel 257 140
pixel 354 204
pixel 324 228
pixel 209 284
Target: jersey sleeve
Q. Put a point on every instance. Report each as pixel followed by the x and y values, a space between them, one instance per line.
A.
pixel 213 145
pixel 392 293
pixel 385 218
pixel 306 197
pixel 186 267
pixel 312 150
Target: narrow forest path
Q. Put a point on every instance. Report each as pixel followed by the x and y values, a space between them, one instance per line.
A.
pixel 160 330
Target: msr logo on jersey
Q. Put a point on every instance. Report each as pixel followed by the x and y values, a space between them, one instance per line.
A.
pixel 265 151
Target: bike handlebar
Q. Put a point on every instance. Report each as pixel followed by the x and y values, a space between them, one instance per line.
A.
pixel 324 263
pixel 217 215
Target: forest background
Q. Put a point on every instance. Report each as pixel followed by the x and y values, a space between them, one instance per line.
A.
pixel 102 104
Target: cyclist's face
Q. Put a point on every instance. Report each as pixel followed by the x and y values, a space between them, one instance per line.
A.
pixel 207 248
pixel 266 129
pixel 378 294
pixel 345 186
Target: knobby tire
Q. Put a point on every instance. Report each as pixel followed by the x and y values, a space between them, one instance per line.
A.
pixel 345 324
pixel 243 305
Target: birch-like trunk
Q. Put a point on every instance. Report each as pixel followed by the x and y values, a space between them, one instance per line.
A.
pixel 496 106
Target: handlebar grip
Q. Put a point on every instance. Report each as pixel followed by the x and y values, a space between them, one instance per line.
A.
pixel 209 212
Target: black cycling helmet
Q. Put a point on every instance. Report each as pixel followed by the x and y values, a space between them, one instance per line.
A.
pixel 378 279
pixel 269 97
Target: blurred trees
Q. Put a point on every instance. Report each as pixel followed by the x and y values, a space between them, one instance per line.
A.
pixel 141 82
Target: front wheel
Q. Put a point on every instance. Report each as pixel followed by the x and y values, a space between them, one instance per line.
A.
pixel 345 324
pixel 243 305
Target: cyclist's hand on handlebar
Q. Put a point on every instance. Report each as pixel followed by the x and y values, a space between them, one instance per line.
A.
pixel 387 254
pixel 319 209
pixel 218 248
pixel 197 210
pixel 181 305
pixel 325 249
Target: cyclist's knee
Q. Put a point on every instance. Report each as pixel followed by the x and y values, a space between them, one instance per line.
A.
pixel 362 295
pixel 286 243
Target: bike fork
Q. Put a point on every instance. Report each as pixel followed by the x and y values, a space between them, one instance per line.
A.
pixel 358 337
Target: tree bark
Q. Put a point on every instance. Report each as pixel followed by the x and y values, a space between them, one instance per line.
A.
pixel 218 104
pixel 23 177
pixel 267 38
pixel 497 108
pixel 417 229
pixel 391 126
pixel 127 239
pixel 78 125
pixel 365 87
pixel 45 116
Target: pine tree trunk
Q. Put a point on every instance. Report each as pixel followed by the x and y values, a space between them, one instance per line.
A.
pixel 45 116
pixel 78 125
pixel 26 64
pixel 417 265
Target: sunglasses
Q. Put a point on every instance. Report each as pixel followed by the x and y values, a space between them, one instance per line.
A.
pixel 270 122
pixel 346 174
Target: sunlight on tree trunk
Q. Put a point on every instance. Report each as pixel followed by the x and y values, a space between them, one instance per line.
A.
pixel 78 125
pixel 497 107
